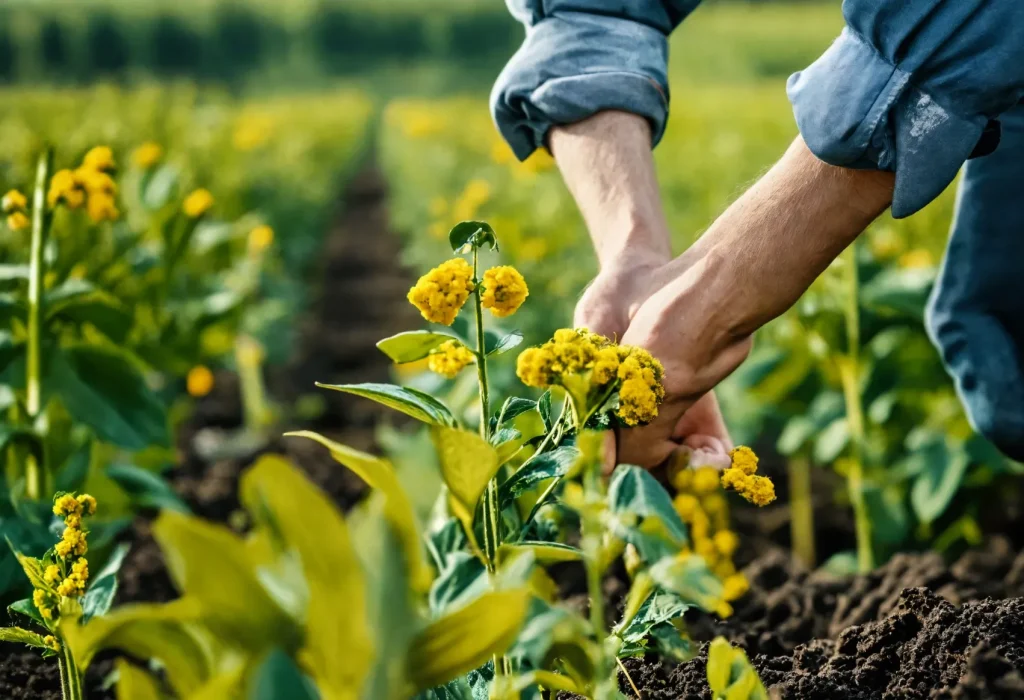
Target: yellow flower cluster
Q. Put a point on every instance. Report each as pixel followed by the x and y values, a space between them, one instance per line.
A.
pixel 450 358
pixel 199 381
pixel 68 576
pixel 602 362
pixel 260 238
pixel 51 642
pixel 147 155
pixel 89 185
pixel 15 205
pixel 441 293
pixel 703 507
pixel 197 203
pixel 504 290
pixel 741 477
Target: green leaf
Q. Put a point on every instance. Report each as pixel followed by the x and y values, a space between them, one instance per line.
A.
pixel 548 465
pixel 463 577
pixel 10 273
pixel 27 608
pixel 72 475
pixel 11 307
pixel 899 289
pixel 79 301
pixel 633 490
pixel 20 636
pixel 497 345
pixel 832 441
pixel 671 643
pixel 936 485
pixel 280 498
pixel 101 388
pixel 32 567
pixel 211 565
pixel 147 490
pixel 468 462
pixel 135 684
pixel 689 578
pixel 103 587
pixel 660 607
pixel 459 642
pixel 411 402
pixel 159 187
pixel 545 552
pixel 472 234
pixel 379 474
pixel 514 407
pixel 412 345
pixel 730 675
pixel 278 677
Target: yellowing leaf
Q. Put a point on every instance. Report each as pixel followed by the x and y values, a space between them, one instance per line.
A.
pixel 466 639
pixel 19 636
pixel 545 552
pixel 211 565
pixel 468 462
pixel 338 647
pixel 135 684
pixel 730 675
pixel 380 474
pixel 32 567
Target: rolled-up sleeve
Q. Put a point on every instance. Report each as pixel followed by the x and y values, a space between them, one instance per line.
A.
pixel 583 56
pixel 909 87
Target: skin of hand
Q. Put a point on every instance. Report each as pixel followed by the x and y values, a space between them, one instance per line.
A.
pixel 607 164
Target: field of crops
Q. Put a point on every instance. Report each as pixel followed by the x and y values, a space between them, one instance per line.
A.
pixel 190 517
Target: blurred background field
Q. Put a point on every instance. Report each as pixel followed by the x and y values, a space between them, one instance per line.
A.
pixel 277 107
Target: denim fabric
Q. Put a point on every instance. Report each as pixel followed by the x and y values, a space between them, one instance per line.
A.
pixel 976 313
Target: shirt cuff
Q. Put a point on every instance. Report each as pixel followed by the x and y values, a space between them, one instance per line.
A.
pixel 856 110
pixel 573 65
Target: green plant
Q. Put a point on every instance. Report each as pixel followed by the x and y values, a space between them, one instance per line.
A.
pixel 730 675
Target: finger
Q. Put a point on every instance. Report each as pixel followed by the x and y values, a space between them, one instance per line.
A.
pixel 650 445
pixel 609 452
pixel 704 451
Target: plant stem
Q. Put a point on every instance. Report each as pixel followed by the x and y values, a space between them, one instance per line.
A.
pixel 34 476
pixel 849 372
pixel 492 536
pixel 72 688
pixel 249 359
pixel 801 511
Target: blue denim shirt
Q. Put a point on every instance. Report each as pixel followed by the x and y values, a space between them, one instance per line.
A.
pixel 907 87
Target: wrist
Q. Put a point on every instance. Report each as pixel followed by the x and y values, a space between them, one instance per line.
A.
pixel 631 242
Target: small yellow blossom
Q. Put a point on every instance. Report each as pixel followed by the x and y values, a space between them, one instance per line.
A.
pixel 67 505
pixel 197 203
pixel 706 548
pixel 686 505
pixel 441 293
pixel 63 549
pixel 916 259
pixel 706 480
pixel 88 504
pixel 81 569
pixel 71 587
pixel 504 291
pixel 18 221
pixel 102 207
pixel 147 155
pixel 735 586
pixel 95 181
pixel 79 271
pixel 14 201
pixel 450 359
pixel 759 490
pixel 75 541
pixel 744 459
pixel 73 520
pixel 66 188
pixel 199 381
pixel 99 158
pixel 606 365
pixel 260 238
pixel 51 642
pixel 726 542
pixel 52 574
pixel 42 603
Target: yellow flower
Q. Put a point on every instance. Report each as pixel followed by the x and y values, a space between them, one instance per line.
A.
pixel 71 587
pixel 65 187
pixel 917 258
pixel 88 504
pixel 51 642
pixel 505 290
pixel 197 203
pixel 735 586
pixel 76 542
pixel 638 403
pixel 252 131
pixel 260 238
pixel 52 574
pixel 73 521
pixel 706 548
pixel 81 569
pixel 199 381
pixel 450 359
pixel 95 181
pixel 63 549
pixel 744 459
pixel 606 365
pixel 18 221
pixel 42 603
pixel 706 480
pixel 441 293
pixel 147 155
pixel 534 367
pixel 686 505
pixel 14 201
pixel 102 207
pixel 67 505
pixel 99 158
pixel 726 542
pixel 759 490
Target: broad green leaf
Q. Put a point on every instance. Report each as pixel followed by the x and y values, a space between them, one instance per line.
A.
pixel 101 388
pixel 549 465
pixel 900 289
pixel 73 473
pixel 32 567
pixel 472 234
pixel 147 490
pixel 79 301
pixel 411 402
pixel 672 644
pixel 19 636
pixel 159 187
pixel 10 273
pixel 135 684
pixel 379 474
pixel 462 578
pixel 468 462
pixel 689 578
pixel 797 431
pixel 338 645
pixel 730 675
pixel 832 441
pixel 103 586
pixel 412 345
pixel 210 564
pixel 466 639
pixel 27 608
pixel 890 519
pixel 935 487
pixel 633 490
pixel 277 678
pixel 545 552
pixel 495 344
pixel 515 406
pixel 11 307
